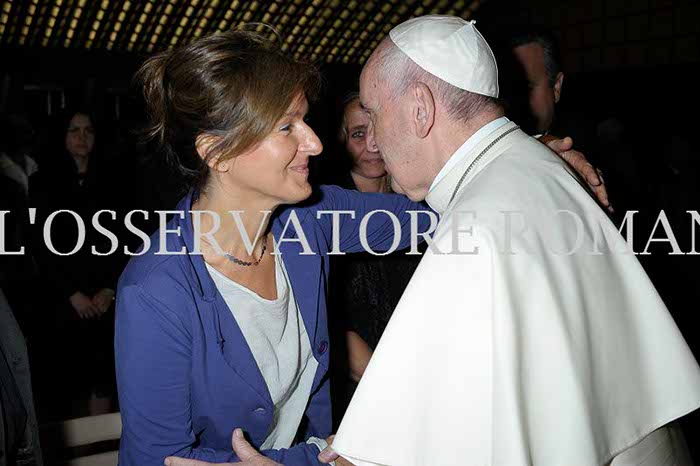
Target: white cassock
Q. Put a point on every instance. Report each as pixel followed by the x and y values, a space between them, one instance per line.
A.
pixel 534 358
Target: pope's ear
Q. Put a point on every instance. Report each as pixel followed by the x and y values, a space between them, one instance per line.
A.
pixel 204 145
pixel 423 111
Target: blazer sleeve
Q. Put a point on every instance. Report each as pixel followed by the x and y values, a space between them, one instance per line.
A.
pixel 380 226
pixel 153 358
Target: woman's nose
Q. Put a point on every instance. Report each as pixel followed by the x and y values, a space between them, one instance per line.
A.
pixel 313 144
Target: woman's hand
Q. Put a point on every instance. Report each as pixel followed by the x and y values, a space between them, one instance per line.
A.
pixel 103 299
pixel 578 161
pixel 359 354
pixel 328 455
pixel 84 306
pixel 248 455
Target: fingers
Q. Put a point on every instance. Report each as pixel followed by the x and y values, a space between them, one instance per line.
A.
pixel 582 166
pixel 241 447
pixel 100 305
pixel 328 455
pixel 592 176
pixel 577 160
pixel 93 311
pixel 602 195
pixel 86 312
pixel 101 301
pixel 561 145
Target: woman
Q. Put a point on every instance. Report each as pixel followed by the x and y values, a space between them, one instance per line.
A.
pixel 235 336
pixel 364 288
pixel 80 286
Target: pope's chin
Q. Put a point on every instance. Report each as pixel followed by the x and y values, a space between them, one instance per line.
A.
pixel 414 195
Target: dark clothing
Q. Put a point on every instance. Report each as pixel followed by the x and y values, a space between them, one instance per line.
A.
pixel 18 272
pixel 78 351
pixel 363 291
pixel 60 187
pixel 19 435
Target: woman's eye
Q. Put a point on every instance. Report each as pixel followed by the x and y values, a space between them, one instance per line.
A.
pixel 286 128
pixel 358 134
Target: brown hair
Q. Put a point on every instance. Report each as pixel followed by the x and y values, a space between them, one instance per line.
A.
pixel 233 86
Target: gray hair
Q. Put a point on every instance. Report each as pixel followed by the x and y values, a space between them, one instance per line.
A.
pixel 400 73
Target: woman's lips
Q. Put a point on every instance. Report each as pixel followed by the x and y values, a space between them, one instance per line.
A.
pixel 303 169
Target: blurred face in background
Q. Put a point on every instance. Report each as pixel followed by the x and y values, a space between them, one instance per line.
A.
pixel 364 163
pixel 543 96
pixel 80 136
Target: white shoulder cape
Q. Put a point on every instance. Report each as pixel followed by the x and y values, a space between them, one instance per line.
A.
pixel 524 359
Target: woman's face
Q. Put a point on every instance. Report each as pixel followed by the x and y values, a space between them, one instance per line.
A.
pixel 278 168
pixel 366 164
pixel 80 136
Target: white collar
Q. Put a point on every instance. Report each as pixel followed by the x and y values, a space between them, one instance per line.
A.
pixel 468 145
pixel 442 193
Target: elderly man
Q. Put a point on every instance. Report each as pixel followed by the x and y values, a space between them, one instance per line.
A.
pixel 539 345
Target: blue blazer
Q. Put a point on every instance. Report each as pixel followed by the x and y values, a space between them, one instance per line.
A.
pixel 185 373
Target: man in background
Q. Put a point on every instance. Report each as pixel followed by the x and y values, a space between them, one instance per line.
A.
pixel 541 79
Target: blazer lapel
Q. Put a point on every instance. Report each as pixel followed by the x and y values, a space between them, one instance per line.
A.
pixel 237 352
pixel 303 270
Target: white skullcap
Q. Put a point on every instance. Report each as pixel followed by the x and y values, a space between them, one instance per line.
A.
pixel 451 49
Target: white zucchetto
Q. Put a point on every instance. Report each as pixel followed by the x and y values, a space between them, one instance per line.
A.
pixel 451 49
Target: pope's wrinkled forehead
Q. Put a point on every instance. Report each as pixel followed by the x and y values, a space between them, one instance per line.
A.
pixel 370 84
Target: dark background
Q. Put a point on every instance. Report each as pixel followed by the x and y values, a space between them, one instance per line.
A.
pixel 632 63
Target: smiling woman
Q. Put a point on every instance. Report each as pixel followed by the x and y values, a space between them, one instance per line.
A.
pixel 231 89
pixel 236 336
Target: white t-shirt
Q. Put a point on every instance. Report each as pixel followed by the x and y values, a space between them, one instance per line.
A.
pixel 276 335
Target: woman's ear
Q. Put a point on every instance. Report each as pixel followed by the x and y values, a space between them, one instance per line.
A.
pixel 203 144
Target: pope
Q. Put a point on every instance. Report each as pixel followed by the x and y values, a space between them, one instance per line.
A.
pixel 529 335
